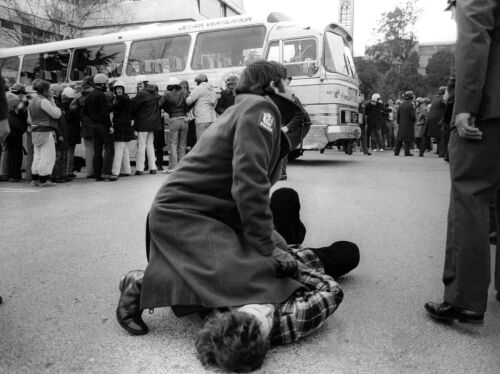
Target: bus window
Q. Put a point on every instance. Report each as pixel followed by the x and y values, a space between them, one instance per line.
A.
pixel 10 68
pixel 337 56
pixel 228 48
pixel 298 55
pixel 50 66
pixel 155 56
pixel 273 53
pixel 106 59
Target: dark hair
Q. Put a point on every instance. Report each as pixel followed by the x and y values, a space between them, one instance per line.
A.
pixel 257 76
pixel 232 341
pixel 88 81
pixel 40 86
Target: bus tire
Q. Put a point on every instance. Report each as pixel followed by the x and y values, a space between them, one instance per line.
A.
pixel 348 148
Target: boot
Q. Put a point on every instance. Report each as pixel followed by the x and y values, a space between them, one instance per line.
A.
pixel 128 312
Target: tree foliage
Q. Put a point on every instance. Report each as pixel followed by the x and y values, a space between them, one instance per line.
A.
pixel 368 75
pixel 439 68
pixel 50 19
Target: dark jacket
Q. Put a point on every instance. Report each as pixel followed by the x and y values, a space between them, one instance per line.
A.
pixel 477 58
pixel 85 120
pixel 18 121
pixel 435 117
pixel 211 225
pixel 122 119
pixel 374 113
pixel 226 99
pixel 174 103
pixel 73 121
pixel 146 109
pixel 96 107
pixel 406 121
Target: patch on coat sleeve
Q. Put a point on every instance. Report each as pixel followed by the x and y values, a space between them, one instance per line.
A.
pixel 266 121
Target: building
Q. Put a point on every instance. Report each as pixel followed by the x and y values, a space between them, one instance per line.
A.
pixel 427 50
pixel 24 22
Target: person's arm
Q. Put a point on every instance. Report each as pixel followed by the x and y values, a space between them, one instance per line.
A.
pixel 104 110
pixel 256 138
pixel 193 96
pixel 304 313
pixel 51 109
pixel 4 123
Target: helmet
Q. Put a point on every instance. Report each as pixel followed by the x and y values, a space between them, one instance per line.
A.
pixel 375 97
pixel 18 88
pixel 68 92
pixel 200 78
pixel 100 78
pixel 141 79
pixel 419 100
pixel 409 95
pixel 119 83
pixel 172 82
pixel 442 90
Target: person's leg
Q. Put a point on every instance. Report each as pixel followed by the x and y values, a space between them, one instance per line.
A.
pixel 380 140
pixel 397 148
pixel 98 146
pixel 497 253
pixel 200 129
pixel 126 169
pixel 89 157
pixel 421 147
pixel 475 174
pixel 63 161
pixel 47 160
pixel 339 258
pixel 181 147
pixel 173 137
pixel 29 157
pixel 109 152
pixel 150 149
pixel 69 160
pixel 117 160
pixel 14 144
pixel 4 162
pixel 128 312
pixel 407 148
pixel 141 151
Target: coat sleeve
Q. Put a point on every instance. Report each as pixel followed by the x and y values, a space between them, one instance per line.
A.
pixel 256 136
pixel 195 95
pixel 475 21
pixel 4 123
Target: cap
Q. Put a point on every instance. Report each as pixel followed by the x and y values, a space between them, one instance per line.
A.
pixel 100 78
pixel 442 90
pixel 68 92
pixel 375 97
pixel 409 95
pixel 18 88
pixel 201 78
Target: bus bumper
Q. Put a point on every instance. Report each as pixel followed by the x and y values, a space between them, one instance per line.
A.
pixel 319 136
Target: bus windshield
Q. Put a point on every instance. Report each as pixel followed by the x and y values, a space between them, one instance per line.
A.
pixel 338 57
pixel 228 48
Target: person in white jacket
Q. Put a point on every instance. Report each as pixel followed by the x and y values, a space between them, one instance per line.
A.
pixel 203 97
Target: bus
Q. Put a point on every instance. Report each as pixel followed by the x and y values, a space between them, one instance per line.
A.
pixel 319 59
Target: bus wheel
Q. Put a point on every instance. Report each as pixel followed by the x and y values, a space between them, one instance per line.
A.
pixel 348 147
pixel 322 150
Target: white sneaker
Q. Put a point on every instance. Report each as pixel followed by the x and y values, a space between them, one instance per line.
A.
pixel 47 184
pixel 381 150
pixel 374 150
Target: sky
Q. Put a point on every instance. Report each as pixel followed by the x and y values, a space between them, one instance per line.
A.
pixel 434 24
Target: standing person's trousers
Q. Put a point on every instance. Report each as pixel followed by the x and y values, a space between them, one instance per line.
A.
pixel 121 161
pixel 15 148
pixel 145 143
pixel 29 157
pixel 178 129
pixel 102 140
pixel 475 176
pixel 89 156
pixel 200 128
pixel 44 156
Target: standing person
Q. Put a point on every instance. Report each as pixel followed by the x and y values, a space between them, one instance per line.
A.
pixel 96 107
pixel 474 152
pixel 203 98
pixel 406 129
pixel 420 120
pixel 4 123
pixel 435 121
pixel 147 119
pixel 449 98
pixel 59 172
pixel 374 113
pixel 191 135
pixel 18 117
pixel 362 125
pixel 86 126
pixel 228 95
pixel 212 242
pixel 174 104
pixel 124 131
pixel 43 114
pixel 391 124
pixel 71 96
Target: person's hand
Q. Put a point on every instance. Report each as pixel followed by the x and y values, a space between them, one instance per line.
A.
pixel 60 139
pixel 466 127
pixel 111 130
pixel 286 265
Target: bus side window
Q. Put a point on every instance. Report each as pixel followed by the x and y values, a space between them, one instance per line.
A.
pixel 161 55
pixel 106 59
pixel 10 68
pixel 51 66
pixel 298 55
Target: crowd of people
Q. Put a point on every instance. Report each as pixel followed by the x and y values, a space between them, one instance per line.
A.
pixel 409 123
pixel 99 114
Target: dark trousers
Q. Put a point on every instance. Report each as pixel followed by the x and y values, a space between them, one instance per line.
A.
pixel 376 139
pixel 401 143
pixel 59 170
pixel 363 139
pixel 445 139
pixel 102 140
pixel 14 145
pixel 475 177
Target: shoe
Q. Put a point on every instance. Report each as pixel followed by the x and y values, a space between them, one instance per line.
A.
pixel 152 171
pixel 35 184
pixel 409 154
pixel 100 179
pixel 284 177
pixel 381 150
pixel 139 172
pixel 128 312
pixel 4 178
pixel 396 154
pixel 47 184
pixel 168 171
pixel 124 175
pixel 71 176
pixel 15 180
pixel 420 155
pixel 498 295
pixel 111 178
pixel 447 312
pixel 68 179
pixel 374 150
pixel 160 168
pixel 60 180
pixel 90 177
pixel 493 238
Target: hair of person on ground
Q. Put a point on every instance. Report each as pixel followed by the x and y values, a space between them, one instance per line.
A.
pixel 257 77
pixel 232 341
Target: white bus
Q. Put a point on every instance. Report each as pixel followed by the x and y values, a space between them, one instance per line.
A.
pixel 318 58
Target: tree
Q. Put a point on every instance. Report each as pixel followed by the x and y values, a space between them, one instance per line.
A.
pixel 368 75
pixel 439 68
pixel 38 21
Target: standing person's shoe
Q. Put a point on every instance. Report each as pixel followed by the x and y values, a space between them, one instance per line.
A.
pixel 100 179
pixel 47 184
pixel 139 172
pixel 4 178
pixel 284 177
pixel 111 178
pixel 498 295
pixel 152 171
pixel 447 312
pixel 168 171
pixel 128 312
pixel 124 175
pixel 14 180
pixel 35 184
pixel 408 154
pixel 381 150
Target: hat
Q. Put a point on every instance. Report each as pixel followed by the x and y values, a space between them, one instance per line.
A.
pixel 18 88
pixel 173 82
pixel 419 99
pixel 201 78
pixel 68 92
pixel 100 78
pixel 409 95
pixel 442 90
pixel 451 4
pixel 375 97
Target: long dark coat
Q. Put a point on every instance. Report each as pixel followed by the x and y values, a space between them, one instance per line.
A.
pixel 406 121
pixel 211 227
pixel 436 115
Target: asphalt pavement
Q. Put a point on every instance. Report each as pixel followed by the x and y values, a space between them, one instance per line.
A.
pixel 63 250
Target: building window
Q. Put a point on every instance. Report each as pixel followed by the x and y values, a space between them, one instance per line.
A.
pixel 10 67
pixel 7 24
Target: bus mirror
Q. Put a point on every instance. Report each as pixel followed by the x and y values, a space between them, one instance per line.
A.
pixel 312 69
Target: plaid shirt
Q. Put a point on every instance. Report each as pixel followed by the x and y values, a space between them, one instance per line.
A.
pixel 307 309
